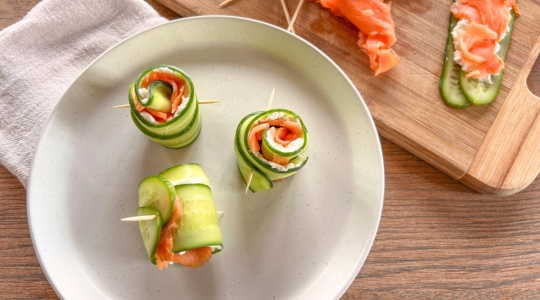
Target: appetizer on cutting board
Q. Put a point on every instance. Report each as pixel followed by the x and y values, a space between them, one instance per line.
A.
pixel 270 146
pixel 183 225
pixel 477 44
pixel 377 34
pixel 164 106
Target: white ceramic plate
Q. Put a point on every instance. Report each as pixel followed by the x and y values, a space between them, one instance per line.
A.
pixel 306 238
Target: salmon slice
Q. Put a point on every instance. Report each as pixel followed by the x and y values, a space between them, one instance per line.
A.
pixel 279 159
pixel 493 13
pixel 158 115
pixel 377 34
pixel 164 255
pixel 293 127
pixel 138 104
pixel 283 136
pixel 254 137
pixel 163 252
pixel 178 85
pixel 286 131
pixel 194 258
pixel 476 41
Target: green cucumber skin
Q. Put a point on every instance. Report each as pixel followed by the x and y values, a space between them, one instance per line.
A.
pixel 172 126
pixel 269 150
pixel 199 224
pixel 180 73
pixel 135 88
pixel 465 91
pixel 449 81
pixel 183 139
pixel 147 190
pixel 150 237
pixel 259 181
pixel 479 93
pixel 180 173
pixel 156 99
pixel 177 140
pixel 243 145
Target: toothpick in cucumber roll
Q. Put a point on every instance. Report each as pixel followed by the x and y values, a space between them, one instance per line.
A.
pixel 186 228
pixel 272 145
pixel 164 106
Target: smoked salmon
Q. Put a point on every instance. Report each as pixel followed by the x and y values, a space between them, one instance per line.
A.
pixel 270 146
pixel 164 256
pixel 282 132
pixel 164 106
pixel 481 25
pixel 377 33
pixel 185 228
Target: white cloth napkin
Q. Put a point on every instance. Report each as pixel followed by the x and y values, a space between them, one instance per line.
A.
pixel 44 52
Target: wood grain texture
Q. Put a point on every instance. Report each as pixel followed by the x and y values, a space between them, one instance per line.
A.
pixel 508 159
pixel 437 238
pixel 405 101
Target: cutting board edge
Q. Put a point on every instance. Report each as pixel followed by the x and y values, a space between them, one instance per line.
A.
pixel 505 162
pixel 437 161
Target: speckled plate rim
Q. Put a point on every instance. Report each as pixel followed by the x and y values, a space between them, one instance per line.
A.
pixel 373 232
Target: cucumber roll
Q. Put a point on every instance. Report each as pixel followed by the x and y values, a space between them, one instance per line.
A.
pixel 186 227
pixel 272 145
pixel 164 106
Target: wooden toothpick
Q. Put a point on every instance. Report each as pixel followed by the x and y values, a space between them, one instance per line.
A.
pixel 199 101
pixel 225 3
pixel 121 106
pixel 249 180
pixel 208 101
pixel 139 218
pixel 270 100
pixel 286 11
pixel 295 15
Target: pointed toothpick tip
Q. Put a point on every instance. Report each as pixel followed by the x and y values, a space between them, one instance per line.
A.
pixel 139 218
pixel 271 99
pixel 121 106
pixel 225 3
pixel 209 101
pixel 249 180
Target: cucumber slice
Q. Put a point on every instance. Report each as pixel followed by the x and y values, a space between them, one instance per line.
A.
pixel 479 93
pixel 180 129
pixel 199 224
pixel 159 194
pixel 159 96
pixel 184 174
pixel 259 181
pixel 150 231
pixel 256 159
pixel 181 75
pixel 177 140
pixel 449 82
pixel 269 148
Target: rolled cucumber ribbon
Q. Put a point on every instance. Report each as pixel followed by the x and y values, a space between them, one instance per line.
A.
pixel 186 218
pixel 271 144
pixel 164 106
pixel 199 223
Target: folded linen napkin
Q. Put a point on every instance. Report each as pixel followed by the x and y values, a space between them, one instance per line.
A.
pixel 44 52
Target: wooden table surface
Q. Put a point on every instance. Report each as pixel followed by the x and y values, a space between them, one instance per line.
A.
pixel 437 238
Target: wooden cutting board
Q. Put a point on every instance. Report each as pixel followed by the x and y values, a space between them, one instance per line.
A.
pixel 493 148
